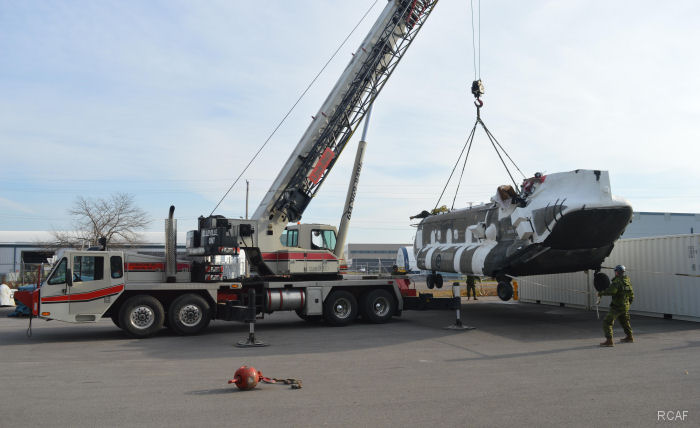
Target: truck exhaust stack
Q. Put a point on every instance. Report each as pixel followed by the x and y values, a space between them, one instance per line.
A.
pixel 170 246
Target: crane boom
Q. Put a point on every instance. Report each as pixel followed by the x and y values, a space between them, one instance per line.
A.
pixel 346 105
pixel 317 151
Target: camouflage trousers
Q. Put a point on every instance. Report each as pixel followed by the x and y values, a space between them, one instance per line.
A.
pixel 622 315
pixel 471 288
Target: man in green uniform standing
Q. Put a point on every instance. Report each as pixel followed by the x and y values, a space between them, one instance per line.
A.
pixel 471 285
pixel 622 296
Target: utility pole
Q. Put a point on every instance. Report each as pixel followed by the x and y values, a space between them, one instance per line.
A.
pixel 247 188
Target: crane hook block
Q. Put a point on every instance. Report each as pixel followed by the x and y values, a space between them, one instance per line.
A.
pixel 246 378
pixel 477 88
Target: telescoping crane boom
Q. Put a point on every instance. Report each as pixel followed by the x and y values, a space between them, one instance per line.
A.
pixel 273 244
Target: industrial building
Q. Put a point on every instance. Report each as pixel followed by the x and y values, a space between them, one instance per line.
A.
pixel 645 224
pixel 372 258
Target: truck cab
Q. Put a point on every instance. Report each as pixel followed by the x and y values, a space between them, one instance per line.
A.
pixel 306 248
pixel 82 285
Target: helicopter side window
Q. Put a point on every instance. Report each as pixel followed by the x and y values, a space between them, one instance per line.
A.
pixel 59 274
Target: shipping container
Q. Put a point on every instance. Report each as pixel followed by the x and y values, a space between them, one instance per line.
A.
pixel 664 270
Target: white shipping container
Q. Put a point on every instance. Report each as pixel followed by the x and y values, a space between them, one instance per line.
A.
pixel 665 274
pixel 571 289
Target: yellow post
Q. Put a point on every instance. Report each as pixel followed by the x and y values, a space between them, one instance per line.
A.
pixel 515 290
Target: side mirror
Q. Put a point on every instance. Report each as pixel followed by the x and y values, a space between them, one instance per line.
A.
pixel 69 277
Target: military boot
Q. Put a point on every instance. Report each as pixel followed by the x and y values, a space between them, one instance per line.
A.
pixel 627 339
pixel 608 342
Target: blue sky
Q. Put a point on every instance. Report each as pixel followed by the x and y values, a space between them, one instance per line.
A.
pixel 168 101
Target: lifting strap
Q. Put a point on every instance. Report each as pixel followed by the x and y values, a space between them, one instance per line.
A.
pixel 478 90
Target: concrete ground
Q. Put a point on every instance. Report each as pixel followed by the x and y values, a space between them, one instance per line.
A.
pixel 524 365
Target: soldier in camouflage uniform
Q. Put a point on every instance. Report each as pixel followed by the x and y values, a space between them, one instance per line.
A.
pixel 622 296
pixel 471 286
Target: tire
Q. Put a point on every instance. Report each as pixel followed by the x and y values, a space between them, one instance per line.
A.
pixel 600 281
pixel 340 308
pixel 430 281
pixel 309 318
pixel 141 316
pixel 504 290
pixel 378 306
pixel 189 314
pixel 438 281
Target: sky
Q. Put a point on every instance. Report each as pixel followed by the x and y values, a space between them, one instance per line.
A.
pixel 169 100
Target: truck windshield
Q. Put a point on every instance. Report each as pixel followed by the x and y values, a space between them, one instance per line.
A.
pixel 323 239
pixel 59 274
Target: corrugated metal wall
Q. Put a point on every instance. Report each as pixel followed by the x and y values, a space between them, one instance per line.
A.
pixel 572 289
pixel 665 274
pixel 7 257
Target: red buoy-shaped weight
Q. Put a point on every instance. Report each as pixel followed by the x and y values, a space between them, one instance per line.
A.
pixel 246 378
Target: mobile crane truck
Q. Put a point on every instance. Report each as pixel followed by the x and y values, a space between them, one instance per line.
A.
pixel 294 266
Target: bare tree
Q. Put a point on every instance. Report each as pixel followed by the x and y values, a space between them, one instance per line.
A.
pixel 117 219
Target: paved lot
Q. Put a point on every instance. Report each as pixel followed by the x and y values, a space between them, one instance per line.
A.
pixel 524 365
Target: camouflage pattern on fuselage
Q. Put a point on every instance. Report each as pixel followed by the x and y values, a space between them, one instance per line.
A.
pixel 566 223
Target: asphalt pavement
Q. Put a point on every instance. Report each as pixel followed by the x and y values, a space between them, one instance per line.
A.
pixel 523 365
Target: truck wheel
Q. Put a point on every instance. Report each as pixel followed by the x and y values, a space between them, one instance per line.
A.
pixel 438 281
pixel 340 308
pixel 309 318
pixel 141 316
pixel 378 306
pixel 189 314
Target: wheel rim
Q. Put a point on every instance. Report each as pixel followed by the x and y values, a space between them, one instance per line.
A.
pixel 380 307
pixel 190 315
pixel 342 308
pixel 142 317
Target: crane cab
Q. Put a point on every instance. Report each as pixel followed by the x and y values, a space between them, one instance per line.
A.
pixel 309 236
pixel 305 248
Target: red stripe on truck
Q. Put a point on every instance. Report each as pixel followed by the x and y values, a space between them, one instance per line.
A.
pixel 282 256
pixel 153 267
pixel 91 295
